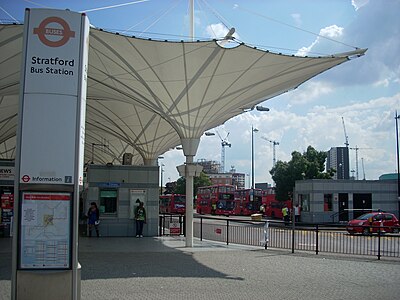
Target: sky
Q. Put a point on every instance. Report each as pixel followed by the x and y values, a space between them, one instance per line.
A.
pixel 362 94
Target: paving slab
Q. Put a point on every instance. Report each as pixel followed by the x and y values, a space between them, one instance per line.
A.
pixel 163 268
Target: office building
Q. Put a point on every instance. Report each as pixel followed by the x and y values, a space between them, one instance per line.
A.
pixel 338 159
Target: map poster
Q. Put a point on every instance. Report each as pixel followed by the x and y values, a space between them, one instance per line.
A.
pixel 45 230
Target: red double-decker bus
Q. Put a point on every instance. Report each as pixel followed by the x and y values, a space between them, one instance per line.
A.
pixel 248 201
pixel 273 207
pixel 216 199
pixel 172 204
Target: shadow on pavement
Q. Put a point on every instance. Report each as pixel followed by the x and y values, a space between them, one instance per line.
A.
pixel 151 264
pixel 5 258
pixel 105 258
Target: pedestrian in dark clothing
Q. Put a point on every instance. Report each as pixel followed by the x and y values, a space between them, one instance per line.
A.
pixel 140 217
pixel 93 218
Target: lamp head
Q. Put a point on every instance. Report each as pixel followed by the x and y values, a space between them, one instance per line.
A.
pixel 262 108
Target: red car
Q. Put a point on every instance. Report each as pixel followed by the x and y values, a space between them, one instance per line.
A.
pixel 369 223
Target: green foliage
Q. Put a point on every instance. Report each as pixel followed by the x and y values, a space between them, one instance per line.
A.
pixel 309 165
pixel 202 180
pixel 180 187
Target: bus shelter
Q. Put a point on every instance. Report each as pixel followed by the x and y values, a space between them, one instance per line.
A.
pixel 146 96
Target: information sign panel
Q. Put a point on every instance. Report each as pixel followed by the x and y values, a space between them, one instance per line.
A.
pixel 54 97
pixel 45 230
pixel 174 227
pixel 7 173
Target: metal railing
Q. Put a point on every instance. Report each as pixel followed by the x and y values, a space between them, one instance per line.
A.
pixel 171 224
pixel 301 237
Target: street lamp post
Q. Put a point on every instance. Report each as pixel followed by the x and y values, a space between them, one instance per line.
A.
pixel 95 145
pixel 161 181
pixel 398 164
pixel 252 155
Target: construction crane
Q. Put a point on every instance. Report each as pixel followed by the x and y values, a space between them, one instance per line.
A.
pixel 224 143
pixel 357 148
pixel 346 137
pixel 362 163
pixel 274 143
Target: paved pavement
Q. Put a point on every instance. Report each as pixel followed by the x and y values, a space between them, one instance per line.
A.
pixel 163 268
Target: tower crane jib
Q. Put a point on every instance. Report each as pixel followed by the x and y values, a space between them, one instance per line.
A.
pixel 346 137
pixel 224 143
pixel 274 144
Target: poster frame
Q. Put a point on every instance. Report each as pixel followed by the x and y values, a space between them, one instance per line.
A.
pixel 70 225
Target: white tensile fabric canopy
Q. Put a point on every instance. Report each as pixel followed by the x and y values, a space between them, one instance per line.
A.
pixel 146 97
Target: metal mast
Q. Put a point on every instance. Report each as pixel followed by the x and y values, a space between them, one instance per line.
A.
pixel 357 148
pixel 224 143
pixel 274 144
pixel 191 8
pixel 396 117
pixel 362 163
pixel 346 137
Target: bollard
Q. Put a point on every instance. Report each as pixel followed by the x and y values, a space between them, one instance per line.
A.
pixel 266 235
pixel 201 228
pixel 379 243
pixel 160 226
pixel 227 232
pixel 180 225
pixel 316 240
pixel 293 232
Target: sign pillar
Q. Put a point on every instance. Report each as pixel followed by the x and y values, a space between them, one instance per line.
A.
pixel 49 160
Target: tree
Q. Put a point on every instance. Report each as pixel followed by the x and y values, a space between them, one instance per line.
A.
pixel 198 181
pixel 309 165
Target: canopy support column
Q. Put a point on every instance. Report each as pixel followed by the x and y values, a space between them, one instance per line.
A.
pixel 191 19
pixel 150 162
pixel 189 170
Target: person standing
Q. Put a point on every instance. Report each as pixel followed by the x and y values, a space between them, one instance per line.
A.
pixel 262 209
pixel 285 214
pixel 213 208
pixel 140 217
pixel 297 213
pixel 93 218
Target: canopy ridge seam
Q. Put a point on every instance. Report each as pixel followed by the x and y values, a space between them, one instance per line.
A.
pixel 208 87
pixel 139 78
pixel 108 120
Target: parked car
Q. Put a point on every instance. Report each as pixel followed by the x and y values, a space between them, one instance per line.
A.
pixel 372 222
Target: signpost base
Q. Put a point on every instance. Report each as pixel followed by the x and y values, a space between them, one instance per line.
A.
pixel 47 285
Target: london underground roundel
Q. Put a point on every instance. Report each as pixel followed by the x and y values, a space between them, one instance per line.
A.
pixel 44 31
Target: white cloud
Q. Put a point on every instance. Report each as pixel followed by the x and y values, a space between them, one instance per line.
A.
pixel 304 51
pixel 384 82
pixel 376 27
pixel 217 31
pixel 311 91
pixel 369 124
pixel 359 3
pixel 333 32
pixel 297 19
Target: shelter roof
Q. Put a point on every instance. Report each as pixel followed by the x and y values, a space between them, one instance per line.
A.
pixel 144 96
